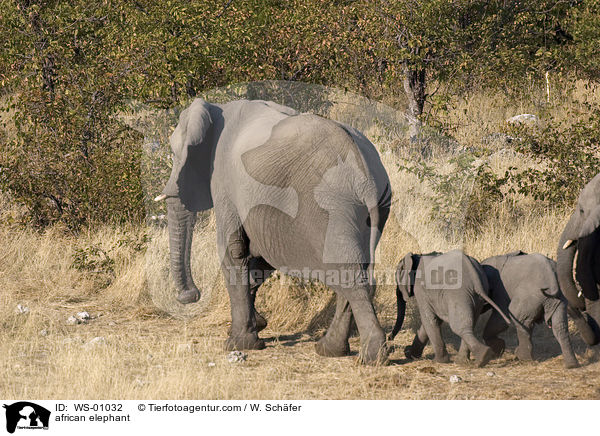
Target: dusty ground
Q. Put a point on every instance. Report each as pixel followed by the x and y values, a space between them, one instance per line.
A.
pixel 146 356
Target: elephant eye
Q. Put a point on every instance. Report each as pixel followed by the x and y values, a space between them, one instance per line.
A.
pixel 581 212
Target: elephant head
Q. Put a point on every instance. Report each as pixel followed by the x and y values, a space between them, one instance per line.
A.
pixel 405 283
pixel 581 238
pixel 188 190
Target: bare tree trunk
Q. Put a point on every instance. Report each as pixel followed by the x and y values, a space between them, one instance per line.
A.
pixel 414 86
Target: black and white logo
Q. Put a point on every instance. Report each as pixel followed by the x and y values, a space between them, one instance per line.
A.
pixel 26 415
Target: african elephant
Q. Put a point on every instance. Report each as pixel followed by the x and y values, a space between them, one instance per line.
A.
pixel 525 286
pixel 449 287
pixel 579 254
pixel 294 192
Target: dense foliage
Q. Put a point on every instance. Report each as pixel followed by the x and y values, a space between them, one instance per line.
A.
pixel 67 67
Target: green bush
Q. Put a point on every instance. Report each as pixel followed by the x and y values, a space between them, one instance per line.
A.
pixel 461 199
pixel 568 154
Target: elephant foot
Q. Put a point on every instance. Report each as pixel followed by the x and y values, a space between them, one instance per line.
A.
pixel 188 296
pixel 412 353
pixel 375 352
pixel 524 354
pixel 497 345
pixel 585 328
pixel 444 358
pixel 327 348
pixel 261 322
pixel 483 356
pixel 571 363
pixel 463 358
pixel 246 341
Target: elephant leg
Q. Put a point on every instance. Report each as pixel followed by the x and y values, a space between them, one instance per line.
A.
pixel 523 322
pixel 585 326
pixel 433 328
pixel 415 350
pixel 560 329
pixel 524 350
pixel 335 341
pixel 495 325
pixel 260 271
pixel 463 327
pixel 482 353
pixel 592 309
pixel 372 337
pixel 464 353
pixel 244 334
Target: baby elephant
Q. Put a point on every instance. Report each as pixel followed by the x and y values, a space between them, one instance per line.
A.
pixel 449 287
pixel 526 286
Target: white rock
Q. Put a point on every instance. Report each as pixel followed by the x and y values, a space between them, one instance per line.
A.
pixel 455 379
pixel 236 356
pixel 72 321
pixel 83 316
pixel 490 373
pixel 97 341
pixel 529 119
pixel 44 332
pixel 22 309
pixel 211 364
pixel 184 348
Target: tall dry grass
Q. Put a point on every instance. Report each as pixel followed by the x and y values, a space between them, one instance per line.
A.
pixel 152 347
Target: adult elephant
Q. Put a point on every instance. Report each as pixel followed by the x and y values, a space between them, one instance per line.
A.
pixel 293 192
pixel 579 255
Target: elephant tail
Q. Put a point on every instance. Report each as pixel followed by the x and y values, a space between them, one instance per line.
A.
pixel 478 278
pixel 401 312
pixel 378 216
pixel 495 306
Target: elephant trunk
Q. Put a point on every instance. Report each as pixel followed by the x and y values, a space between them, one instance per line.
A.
pixel 181 226
pixel 564 268
pixel 584 268
pixel 560 329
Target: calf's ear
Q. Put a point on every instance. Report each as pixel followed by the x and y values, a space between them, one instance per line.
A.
pixel 405 276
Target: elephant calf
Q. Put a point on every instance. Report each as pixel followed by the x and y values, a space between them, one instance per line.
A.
pixel 449 287
pixel 526 286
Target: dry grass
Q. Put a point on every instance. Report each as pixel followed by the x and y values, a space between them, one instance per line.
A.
pixel 155 348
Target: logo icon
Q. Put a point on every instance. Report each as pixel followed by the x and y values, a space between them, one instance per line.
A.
pixel 26 415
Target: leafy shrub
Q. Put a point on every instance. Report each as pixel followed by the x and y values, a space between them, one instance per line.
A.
pixel 101 262
pixel 568 154
pixel 461 198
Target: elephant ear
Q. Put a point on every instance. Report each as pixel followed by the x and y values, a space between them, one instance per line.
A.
pixel 591 223
pixel 192 158
pixel 405 276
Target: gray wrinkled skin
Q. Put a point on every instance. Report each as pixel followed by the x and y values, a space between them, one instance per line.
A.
pixel 293 192
pixel 526 287
pixel 578 255
pixel 450 287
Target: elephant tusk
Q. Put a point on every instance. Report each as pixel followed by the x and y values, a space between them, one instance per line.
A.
pixel 580 294
pixel 568 244
pixel 160 197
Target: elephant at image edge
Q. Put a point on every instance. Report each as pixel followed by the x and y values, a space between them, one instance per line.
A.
pixel 526 287
pixel 449 287
pixel 579 253
pixel 293 192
